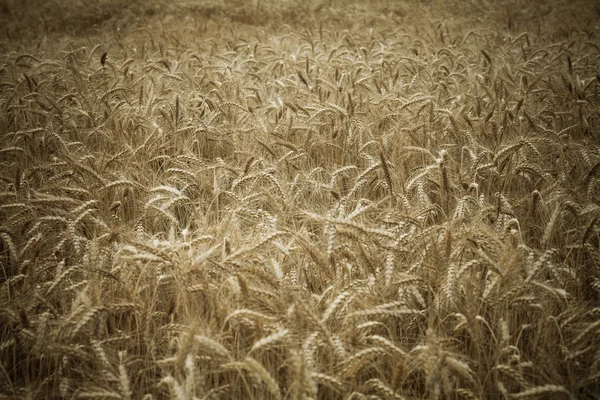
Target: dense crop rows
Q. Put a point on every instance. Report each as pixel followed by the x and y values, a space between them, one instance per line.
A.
pixel 293 200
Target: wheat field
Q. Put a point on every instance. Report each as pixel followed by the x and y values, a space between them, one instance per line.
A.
pixel 299 199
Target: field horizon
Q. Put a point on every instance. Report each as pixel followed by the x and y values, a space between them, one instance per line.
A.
pixel 299 199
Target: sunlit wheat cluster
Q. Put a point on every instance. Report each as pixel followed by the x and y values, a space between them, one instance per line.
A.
pixel 299 199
